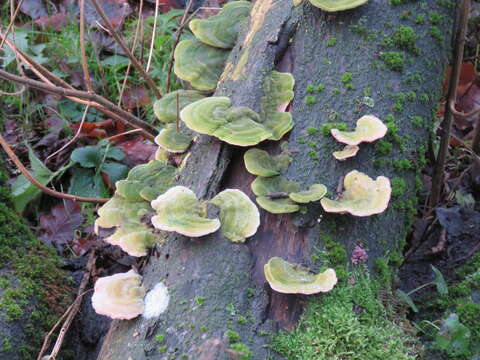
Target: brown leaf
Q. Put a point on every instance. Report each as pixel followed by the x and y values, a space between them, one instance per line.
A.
pixel 135 96
pixel 137 151
pixel 56 22
pixel 116 10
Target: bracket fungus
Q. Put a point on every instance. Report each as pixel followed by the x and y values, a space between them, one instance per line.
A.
pixel 133 238
pixel 119 296
pixel 166 109
pixel 272 194
pixel 337 5
pixel 215 116
pixel 239 217
pixel 146 181
pixel 261 163
pixel 288 278
pixel 347 152
pixel 221 30
pixel 369 128
pixel 174 140
pixel 362 196
pixel 179 210
pixel 314 193
pixel 278 93
pixel 198 63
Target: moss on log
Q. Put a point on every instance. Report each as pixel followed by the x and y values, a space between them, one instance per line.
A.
pixel 378 59
pixel 34 290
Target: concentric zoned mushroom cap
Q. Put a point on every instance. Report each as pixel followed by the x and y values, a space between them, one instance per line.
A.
pixel 179 210
pixel 133 238
pixel 119 296
pixel 261 163
pixel 293 279
pixel 314 193
pixel 369 128
pixel 272 194
pixel 216 117
pixel 222 29
pixel 363 196
pixel 238 215
pixel 174 141
pixel 118 211
pixel 166 108
pixel 337 5
pixel 200 64
pixel 347 152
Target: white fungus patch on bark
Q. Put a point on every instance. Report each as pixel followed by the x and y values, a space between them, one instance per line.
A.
pixel 156 301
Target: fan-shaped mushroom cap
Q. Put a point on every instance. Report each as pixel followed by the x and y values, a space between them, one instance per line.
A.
pixel 133 238
pixel 119 296
pixel 147 181
pixel 174 141
pixel 238 215
pixel 293 279
pixel 118 211
pixel 161 155
pixel 314 193
pixel 261 163
pixel 337 5
pixel 264 188
pixel 199 63
pixel 363 196
pixel 278 92
pixel 166 108
pixel 235 125
pixel 369 128
pixel 179 210
pixel 347 152
pixel 222 29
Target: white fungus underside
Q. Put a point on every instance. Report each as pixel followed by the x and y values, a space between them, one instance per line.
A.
pixel 156 301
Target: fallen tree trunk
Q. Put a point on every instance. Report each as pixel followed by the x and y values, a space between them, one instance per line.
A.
pixel 379 58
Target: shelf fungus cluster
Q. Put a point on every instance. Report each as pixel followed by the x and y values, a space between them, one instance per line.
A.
pixel 201 61
pixel 131 202
pixel 333 5
pixel 369 128
pixel 289 278
pixel 274 192
pixel 239 125
pixel 179 210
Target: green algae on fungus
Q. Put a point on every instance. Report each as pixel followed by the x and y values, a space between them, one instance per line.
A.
pixel 314 193
pixel 347 152
pixel 261 163
pixel 174 140
pixel 221 30
pixel 369 128
pixel 168 107
pixel 362 196
pixel 266 190
pixel 278 93
pixel 337 5
pixel 239 217
pixel 289 278
pixel 331 327
pixel 236 125
pixel 179 210
pixel 199 63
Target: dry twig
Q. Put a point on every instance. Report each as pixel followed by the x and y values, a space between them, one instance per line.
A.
pixel 86 74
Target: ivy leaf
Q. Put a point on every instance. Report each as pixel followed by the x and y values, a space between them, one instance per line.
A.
pixel 85 182
pixel 115 171
pixel 115 153
pixel 402 295
pixel 87 156
pixel 23 191
pixel 440 282
pixel 453 337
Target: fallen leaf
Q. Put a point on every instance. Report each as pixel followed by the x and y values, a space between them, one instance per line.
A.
pixel 116 10
pixel 59 226
pixel 135 96
pixel 137 151
pixel 56 22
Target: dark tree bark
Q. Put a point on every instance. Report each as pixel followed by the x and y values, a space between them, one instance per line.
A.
pixel 230 276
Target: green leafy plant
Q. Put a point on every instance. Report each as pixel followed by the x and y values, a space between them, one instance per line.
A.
pixel 453 337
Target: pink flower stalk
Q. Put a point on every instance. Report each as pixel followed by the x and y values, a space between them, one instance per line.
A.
pixel 359 255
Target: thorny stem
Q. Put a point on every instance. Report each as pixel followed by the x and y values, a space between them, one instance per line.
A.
pixel 126 50
pixel 35 182
pixel 438 171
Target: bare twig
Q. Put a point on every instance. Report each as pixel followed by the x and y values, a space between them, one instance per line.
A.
pixel 126 50
pixel 69 315
pixel 16 93
pixel 439 168
pixel 123 134
pixel 86 74
pixel 94 98
pixel 178 34
pixel 84 116
pixel 12 22
pixel 462 114
pixel 152 42
pixel 38 184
